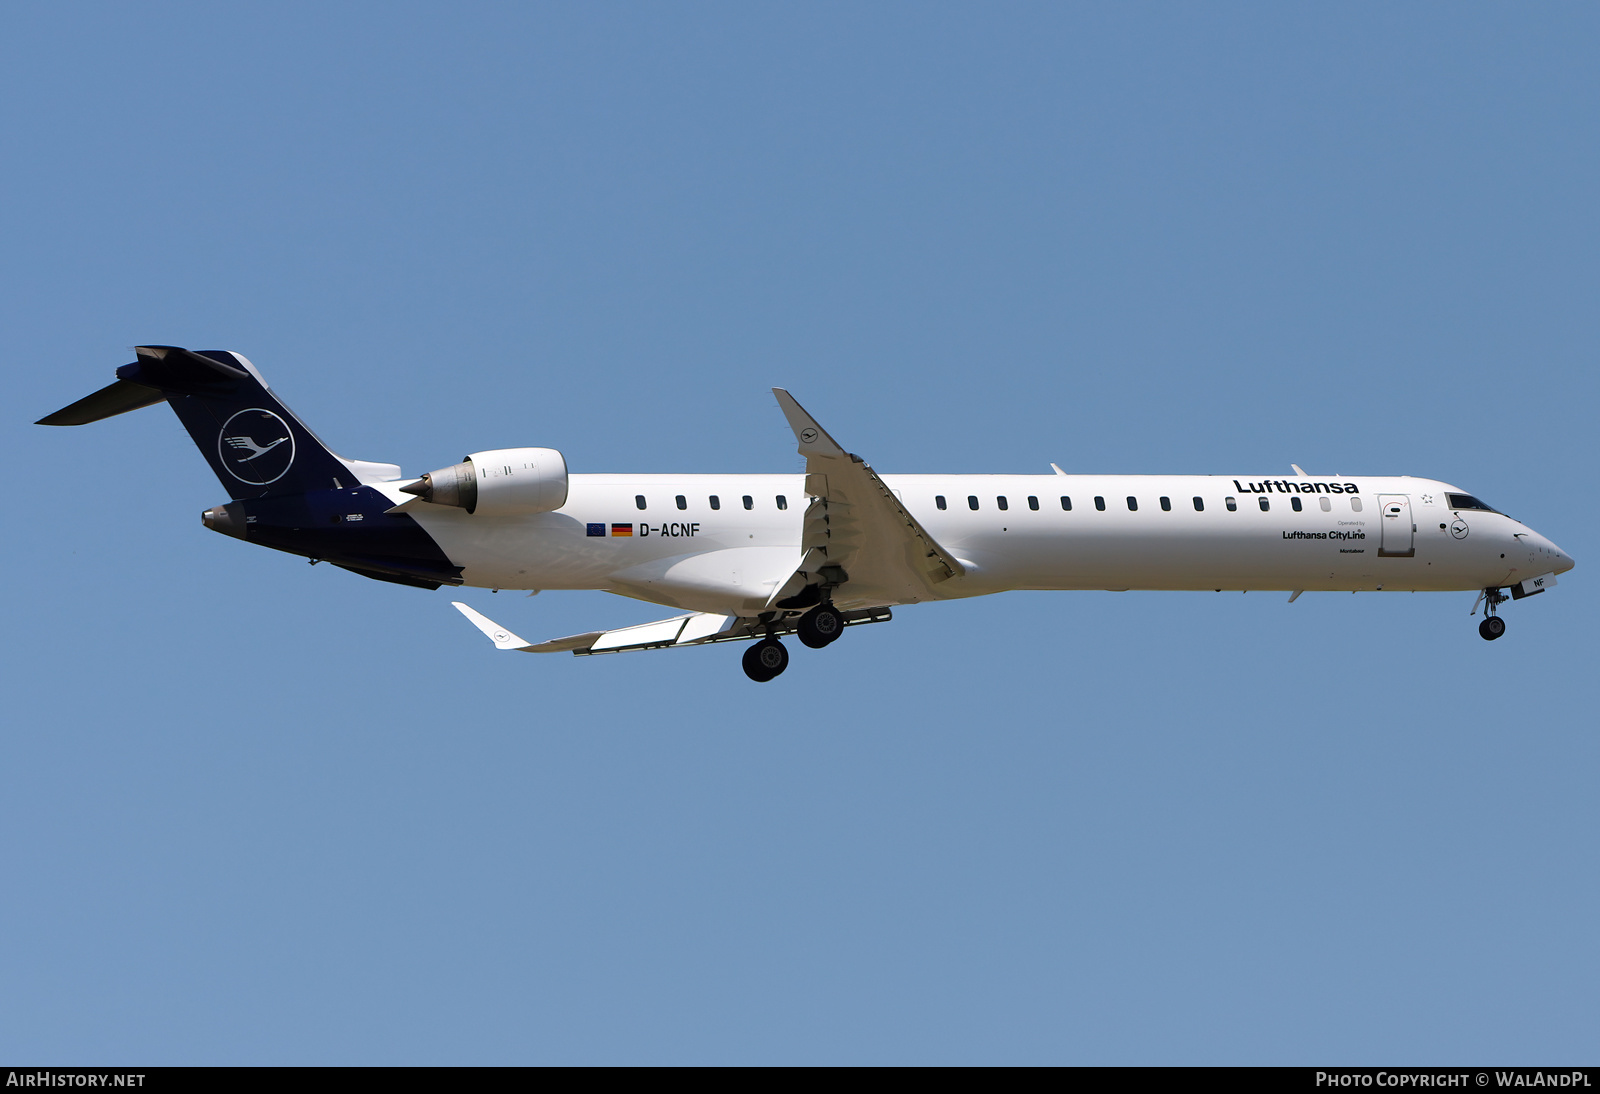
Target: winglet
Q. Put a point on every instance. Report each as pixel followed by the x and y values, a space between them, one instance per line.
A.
pixel 502 638
pixel 1299 472
pixel 813 439
pixel 1057 469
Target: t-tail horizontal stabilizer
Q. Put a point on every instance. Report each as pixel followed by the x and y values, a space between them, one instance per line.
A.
pixel 108 402
pixel 698 629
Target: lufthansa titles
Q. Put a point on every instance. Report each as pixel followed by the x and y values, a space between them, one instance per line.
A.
pixel 1295 486
pixel 1297 534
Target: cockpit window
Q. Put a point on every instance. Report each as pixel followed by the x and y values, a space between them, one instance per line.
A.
pixel 1467 501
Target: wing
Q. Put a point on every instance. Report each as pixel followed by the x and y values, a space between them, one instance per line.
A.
pixel 697 629
pixel 857 537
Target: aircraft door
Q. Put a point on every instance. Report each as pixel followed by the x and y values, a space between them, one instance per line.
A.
pixel 1398 531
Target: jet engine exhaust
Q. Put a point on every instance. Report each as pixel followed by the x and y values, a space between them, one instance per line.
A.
pixel 457 485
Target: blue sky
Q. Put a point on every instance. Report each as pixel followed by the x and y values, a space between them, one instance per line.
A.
pixel 256 812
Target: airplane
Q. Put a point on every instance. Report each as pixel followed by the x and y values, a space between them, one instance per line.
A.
pixel 761 557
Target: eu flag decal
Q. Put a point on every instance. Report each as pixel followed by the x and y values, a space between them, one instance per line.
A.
pixel 597 529
pixel 622 529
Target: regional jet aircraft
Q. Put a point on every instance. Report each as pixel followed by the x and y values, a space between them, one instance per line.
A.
pixel 761 557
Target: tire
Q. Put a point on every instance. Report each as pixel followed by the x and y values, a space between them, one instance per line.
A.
pixel 1492 627
pixel 765 660
pixel 820 626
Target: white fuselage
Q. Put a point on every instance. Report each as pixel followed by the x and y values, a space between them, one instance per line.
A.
pixel 1395 533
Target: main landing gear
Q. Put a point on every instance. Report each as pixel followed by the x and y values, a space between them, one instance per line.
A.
pixel 765 660
pixel 1492 626
pixel 819 627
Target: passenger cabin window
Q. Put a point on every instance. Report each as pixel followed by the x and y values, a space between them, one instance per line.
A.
pixel 1166 505
pixel 1066 504
pixel 938 500
pixel 638 500
pixel 1001 503
pixel 1355 504
pixel 1100 503
pixel 972 501
pixel 1199 505
pixel 1133 504
pixel 716 502
pixel 1467 501
pixel 1266 503
pixel 683 502
pixel 749 502
pixel 1033 502
pixel 1232 503
pixel 783 502
pixel 1294 503
pixel 1327 505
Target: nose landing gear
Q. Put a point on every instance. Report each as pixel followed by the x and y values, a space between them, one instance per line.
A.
pixel 1492 626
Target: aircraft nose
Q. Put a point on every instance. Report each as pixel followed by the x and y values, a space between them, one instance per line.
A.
pixel 1548 554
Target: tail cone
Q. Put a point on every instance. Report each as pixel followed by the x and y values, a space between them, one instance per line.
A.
pixel 227 519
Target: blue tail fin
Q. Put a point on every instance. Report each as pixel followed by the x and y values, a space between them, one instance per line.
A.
pixel 290 492
pixel 254 443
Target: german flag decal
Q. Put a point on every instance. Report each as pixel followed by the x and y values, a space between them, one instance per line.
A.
pixel 622 529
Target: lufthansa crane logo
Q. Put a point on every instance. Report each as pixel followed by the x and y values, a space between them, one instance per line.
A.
pixel 256 446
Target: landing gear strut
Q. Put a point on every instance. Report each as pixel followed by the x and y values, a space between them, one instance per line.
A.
pixel 1492 626
pixel 820 626
pixel 765 660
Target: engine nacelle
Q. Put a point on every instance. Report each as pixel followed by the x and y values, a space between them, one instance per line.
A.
pixel 500 482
